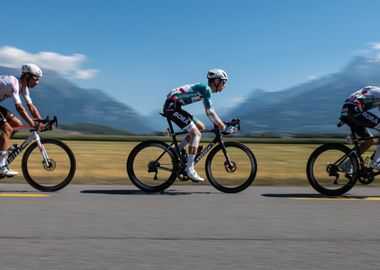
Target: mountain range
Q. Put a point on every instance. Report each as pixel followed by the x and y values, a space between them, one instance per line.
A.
pixel 308 108
pixel 58 96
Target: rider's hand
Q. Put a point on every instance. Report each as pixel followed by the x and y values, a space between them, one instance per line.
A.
pixel 41 127
pixel 230 130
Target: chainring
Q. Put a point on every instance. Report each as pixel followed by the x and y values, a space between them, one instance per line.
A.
pixel 367 176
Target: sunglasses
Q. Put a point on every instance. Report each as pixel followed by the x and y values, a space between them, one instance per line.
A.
pixel 36 78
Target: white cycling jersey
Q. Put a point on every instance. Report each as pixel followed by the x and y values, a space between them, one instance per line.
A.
pixel 10 86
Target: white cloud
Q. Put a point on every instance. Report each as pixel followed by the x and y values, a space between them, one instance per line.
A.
pixel 66 65
pixel 313 77
pixel 85 74
pixel 375 45
pixel 237 100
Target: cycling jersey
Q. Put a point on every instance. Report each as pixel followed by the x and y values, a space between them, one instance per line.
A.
pixel 185 95
pixel 191 93
pixel 10 86
pixel 355 110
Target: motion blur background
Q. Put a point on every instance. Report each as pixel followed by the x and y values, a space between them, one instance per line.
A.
pixel 291 63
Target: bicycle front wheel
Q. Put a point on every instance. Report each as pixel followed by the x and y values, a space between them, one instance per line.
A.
pixel 53 176
pixel 151 166
pixel 232 169
pixel 332 169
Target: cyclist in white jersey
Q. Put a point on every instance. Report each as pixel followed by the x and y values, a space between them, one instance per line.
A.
pixel 187 94
pixel 12 87
pixel 356 114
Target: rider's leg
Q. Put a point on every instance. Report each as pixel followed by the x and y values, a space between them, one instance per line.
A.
pixel 6 132
pixel 187 139
pixel 366 145
pixel 359 123
pixel 195 137
pixel 14 122
pixel 185 121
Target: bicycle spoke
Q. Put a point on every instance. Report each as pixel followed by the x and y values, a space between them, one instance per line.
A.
pixel 232 174
pixel 150 166
pixel 55 174
pixel 331 170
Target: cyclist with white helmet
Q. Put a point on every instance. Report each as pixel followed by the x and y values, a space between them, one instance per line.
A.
pixel 188 94
pixel 12 87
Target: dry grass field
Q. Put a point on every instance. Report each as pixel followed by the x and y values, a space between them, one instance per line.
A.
pixel 104 162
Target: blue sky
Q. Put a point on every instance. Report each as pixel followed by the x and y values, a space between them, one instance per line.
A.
pixel 136 51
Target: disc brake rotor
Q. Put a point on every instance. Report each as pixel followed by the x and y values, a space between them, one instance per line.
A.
pixel 51 166
pixel 230 167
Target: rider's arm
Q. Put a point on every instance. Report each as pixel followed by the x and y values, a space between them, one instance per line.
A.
pixel 17 100
pixel 211 114
pixel 207 103
pixel 21 110
pixel 34 111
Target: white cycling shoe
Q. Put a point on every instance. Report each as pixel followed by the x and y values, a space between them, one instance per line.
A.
pixel 7 171
pixel 375 165
pixel 192 174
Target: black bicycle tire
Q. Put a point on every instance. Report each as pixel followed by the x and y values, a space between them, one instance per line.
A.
pixel 33 182
pixel 214 182
pixel 310 174
pixel 132 176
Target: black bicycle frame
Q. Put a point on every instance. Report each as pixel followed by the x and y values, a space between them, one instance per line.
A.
pixel 205 150
pixel 356 148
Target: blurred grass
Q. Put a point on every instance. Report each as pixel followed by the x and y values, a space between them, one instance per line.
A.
pixel 103 162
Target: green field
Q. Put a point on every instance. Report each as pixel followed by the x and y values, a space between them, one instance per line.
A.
pixel 103 162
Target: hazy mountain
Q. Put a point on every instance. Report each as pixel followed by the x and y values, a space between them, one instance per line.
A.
pixel 308 108
pixel 312 107
pixel 72 104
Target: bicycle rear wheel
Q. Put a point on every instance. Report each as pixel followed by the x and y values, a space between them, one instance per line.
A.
pixel 152 166
pixel 54 176
pixel 233 177
pixel 332 169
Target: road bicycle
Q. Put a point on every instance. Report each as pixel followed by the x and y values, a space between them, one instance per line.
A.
pixel 333 168
pixel 154 165
pixel 48 164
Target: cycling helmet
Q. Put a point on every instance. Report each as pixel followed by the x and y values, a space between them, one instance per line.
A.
pixel 32 69
pixel 217 74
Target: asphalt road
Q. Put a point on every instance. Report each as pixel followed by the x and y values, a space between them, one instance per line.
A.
pixel 192 227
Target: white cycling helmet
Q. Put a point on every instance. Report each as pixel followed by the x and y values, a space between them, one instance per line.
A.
pixel 32 69
pixel 217 74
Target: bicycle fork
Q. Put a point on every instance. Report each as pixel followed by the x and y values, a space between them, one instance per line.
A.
pixel 42 149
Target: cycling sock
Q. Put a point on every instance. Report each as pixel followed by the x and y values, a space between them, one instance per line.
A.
pixel 2 158
pixel 190 161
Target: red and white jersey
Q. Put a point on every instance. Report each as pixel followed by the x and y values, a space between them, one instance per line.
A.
pixel 10 87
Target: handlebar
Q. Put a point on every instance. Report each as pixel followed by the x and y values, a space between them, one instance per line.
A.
pixel 48 123
pixel 234 122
